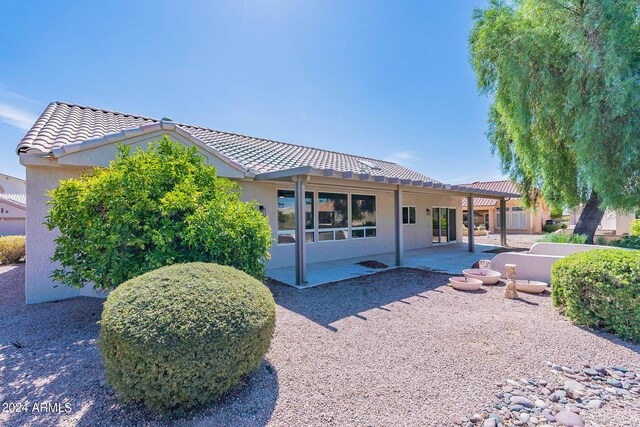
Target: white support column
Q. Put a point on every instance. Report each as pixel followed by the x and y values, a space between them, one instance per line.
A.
pixel 503 222
pixel 300 221
pixel 398 226
pixel 472 226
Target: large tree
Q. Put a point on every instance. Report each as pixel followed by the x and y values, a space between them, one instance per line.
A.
pixel 564 76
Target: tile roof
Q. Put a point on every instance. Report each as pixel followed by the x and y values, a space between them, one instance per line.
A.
pixel 503 186
pixel 62 124
pixel 16 198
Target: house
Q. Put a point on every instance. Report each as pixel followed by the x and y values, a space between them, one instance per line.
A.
pixel 322 205
pixel 519 219
pixel 12 205
pixel 613 223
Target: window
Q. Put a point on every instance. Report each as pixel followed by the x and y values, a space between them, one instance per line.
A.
pixel 408 214
pixel 516 218
pixel 287 219
pixel 333 216
pixel 363 216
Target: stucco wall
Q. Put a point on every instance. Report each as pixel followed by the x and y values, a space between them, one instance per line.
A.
pixel 9 184
pixel 415 236
pixel 39 286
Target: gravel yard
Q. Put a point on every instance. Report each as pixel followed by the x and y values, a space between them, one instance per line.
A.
pixel 396 348
pixel 513 240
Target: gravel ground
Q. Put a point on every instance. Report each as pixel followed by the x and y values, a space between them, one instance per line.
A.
pixel 396 348
pixel 513 240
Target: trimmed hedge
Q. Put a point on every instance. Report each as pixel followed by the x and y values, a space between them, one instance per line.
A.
pixel 632 242
pixel 12 249
pixel 635 227
pixel 600 288
pixel 182 335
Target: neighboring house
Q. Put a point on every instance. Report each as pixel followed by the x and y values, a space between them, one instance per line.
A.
pixel 12 205
pixel 520 220
pixel 352 206
pixel 613 223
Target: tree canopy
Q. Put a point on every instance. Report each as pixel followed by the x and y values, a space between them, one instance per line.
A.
pixel 148 209
pixel 565 81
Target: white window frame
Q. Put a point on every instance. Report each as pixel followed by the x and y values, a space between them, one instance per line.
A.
pixel 306 230
pixel 364 227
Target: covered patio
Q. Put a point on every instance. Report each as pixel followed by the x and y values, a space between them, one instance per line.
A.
pixel 451 258
pixel 448 258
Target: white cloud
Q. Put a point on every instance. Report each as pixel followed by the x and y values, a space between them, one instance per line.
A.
pixel 16 117
pixel 405 158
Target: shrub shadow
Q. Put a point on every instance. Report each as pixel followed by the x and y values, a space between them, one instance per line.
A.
pixel 60 362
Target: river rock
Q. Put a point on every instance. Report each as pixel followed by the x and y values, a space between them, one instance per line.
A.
pixel 570 419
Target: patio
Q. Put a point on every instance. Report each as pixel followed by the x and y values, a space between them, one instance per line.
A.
pixel 451 259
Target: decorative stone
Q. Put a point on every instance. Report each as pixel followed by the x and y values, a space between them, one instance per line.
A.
pixel 540 404
pixel 614 382
pixel 570 419
pixel 591 372
pixel 594 404
pixel 475 418
pixel 510 291
pixel 524 417
pixel 557 395
pixel 520 400
pixel 489 422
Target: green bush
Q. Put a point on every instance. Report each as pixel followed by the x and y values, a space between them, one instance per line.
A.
pixel 12 249
pixel 182 335
pixel 150 209
pixel 635 227
pixel 632 242
pixel 550 228
pixel 600 288
pixel 563 238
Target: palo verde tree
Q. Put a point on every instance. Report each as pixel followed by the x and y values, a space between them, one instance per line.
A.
pixel 565 80
pixel 148 209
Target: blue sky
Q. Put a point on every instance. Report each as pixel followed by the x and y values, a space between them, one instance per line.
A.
pixel 389 80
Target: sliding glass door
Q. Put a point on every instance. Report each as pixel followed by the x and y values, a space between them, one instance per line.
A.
pixel 444 225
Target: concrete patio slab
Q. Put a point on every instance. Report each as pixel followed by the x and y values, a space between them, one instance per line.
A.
pixel 451 258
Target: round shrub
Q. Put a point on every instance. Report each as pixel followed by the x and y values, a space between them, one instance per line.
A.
pixel 182 335
pixel 12 249
pixel 600 288
pixel 151 208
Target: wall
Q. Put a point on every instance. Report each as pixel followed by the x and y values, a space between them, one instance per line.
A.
pixel 613 222
pixel 39 286
pixel 9 184
pixel 415 236
pixel 12 219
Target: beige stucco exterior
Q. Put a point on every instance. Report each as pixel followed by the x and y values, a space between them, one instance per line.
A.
pixel 10 184
pixel 613 223
pixel 534 218
pixel 44 174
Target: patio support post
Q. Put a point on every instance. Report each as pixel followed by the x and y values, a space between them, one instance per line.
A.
pixel 503 222
pixel 472 226
pixel 300 222
pixel 399 228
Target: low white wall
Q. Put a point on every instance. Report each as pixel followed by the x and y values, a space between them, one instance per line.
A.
pixel 528 266
pixel 562 249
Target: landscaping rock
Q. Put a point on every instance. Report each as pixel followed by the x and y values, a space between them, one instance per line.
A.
pixel 523 401
pixel 569 419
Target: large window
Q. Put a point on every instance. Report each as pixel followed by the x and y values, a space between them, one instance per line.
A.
pixel 363 216
pixel 516 218
pixel 333 216
pixel 287 218
pixel 408 214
